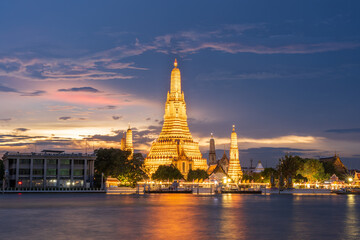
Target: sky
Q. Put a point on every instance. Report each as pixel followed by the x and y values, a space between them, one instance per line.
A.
pixel 74 74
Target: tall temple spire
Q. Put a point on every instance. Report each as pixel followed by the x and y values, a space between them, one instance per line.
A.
pixel 175 133
pixel 129 142
pixel 212 152
pixel 175 83
pixel 123 142
pixel 234 171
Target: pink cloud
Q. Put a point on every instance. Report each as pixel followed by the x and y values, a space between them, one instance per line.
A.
pixel 81 98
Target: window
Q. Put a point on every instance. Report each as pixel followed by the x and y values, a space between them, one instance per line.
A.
pixel 24 171
pixel 79 162
pixel 39 161
pixel 51 161
pixel 12 161
pixel 190 166
pixel 65 161
pixel 64 172
pixel 51 172
pixel 38 171
pixel 183 167
pixel 24 161
pixel 78 172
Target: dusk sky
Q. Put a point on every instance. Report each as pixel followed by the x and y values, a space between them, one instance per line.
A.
pixel 286 74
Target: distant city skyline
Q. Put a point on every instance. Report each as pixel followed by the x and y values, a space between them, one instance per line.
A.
pixel 286 74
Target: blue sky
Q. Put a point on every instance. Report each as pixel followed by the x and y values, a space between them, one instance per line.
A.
pixel 286 73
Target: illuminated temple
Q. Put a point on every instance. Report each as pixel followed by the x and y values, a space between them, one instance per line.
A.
pixel 234 170
pixel 126 143
pixel 175 144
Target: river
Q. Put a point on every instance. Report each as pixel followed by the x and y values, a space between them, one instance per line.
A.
pixel 179 216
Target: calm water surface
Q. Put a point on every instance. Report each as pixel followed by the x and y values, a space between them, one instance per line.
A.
pixel 172 216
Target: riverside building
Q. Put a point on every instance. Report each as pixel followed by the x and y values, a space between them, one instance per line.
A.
pixel 49 169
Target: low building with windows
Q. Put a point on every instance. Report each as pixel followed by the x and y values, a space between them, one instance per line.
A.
pixel 49 169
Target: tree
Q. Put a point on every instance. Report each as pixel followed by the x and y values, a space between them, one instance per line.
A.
pixel 115 163
pixel 197 174
pixel 289 165
pixel 313 170
pixel 167 173
pixel 265 175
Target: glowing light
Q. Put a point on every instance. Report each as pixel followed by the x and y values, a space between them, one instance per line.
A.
pixel 175 144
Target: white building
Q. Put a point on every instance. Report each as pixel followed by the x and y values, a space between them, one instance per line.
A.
pixel 49 169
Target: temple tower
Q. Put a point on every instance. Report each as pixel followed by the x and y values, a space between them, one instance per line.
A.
pixel 129 142
pixel 123 142
pixel 234 171
pixel 212 152
pixel 175 144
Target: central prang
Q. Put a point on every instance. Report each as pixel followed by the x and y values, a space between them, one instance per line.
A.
pixel 175 144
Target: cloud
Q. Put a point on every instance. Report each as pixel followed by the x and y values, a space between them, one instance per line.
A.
pixel 235 47
pixel 34 94
pixel 61 108
pixel 21 129
pixel 117 117
pixel 229 39
pixel 291 139
pixel 344 130
pixel 11 142
pixel 7 89
pixel 119 65
pixel 9 66
pixel 108 107
pixel 80 89
pixel 81 69
pixel 71 118
pixel 108 138
pixel 5 119
pixel 29 94
pixel 64 118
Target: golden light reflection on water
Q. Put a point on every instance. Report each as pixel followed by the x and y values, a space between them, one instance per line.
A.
pixel 351 221
pixel 184 217
pixel 175 215
pixel 232 223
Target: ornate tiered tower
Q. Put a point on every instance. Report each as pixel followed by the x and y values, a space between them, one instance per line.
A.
pixel 234 171
pixel 123 143
pixel 175 144
pixel 212 152
pixel 127 142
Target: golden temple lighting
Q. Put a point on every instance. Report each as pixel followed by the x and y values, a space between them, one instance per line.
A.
pixel 175 144
pixel 234 171
pixel 126 143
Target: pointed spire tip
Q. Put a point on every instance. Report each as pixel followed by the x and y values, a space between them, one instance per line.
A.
pixel 175 63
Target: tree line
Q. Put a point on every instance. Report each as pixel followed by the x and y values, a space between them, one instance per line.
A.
pixel 115 163
pixel 292 169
